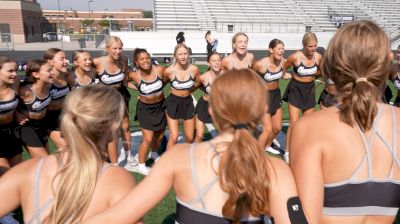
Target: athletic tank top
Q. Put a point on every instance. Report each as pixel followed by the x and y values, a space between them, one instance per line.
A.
pixel 38 105
pixel 58 93
pixel 151 88
pixel 38 210
pixel 273 76
pixel 187 213
pixel 305 71
pixel 248 65
pixel 111 79
pixel 8 106
pixel 369 196
pixel 78 84
pixel 182 85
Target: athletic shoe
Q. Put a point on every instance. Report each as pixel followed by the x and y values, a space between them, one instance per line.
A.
pixel 8 219
pixel 276 143
pixel 154 156
pixel 272 150
pixel 132 161
pixel 143 169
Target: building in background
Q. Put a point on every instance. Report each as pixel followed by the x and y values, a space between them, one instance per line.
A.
pixel 96 21
pixel 22 19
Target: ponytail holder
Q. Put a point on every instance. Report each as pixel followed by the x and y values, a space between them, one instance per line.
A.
pixel 239 126
pixel 362 79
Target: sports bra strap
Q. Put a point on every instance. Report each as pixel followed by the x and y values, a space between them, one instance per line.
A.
pixel 200 192
pixel 195 177
pixel 367 146
pixel 395 132
pixel 38 210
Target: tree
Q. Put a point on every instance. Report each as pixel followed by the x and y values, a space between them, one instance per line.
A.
pixel 104 23
pixel 87 22
pixel 147 14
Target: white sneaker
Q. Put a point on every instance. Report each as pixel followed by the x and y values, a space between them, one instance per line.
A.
pixel 286 157
pixel 154 156
pixel 8 219
pixel 143 169
pixel 132 161
pixel 272 150
pixel 276 143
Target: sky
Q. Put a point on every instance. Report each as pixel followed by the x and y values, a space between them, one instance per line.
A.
pixel 97 5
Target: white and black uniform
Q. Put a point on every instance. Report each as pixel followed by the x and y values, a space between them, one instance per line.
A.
pixel 151 116
pixel 202 105
pixel 53 116
pixel 180 107
pixel 114 79
pixel 275 99
pixel 11 146
pixel 302 94
pixel 34 132
pixel 327 99
pixel 79 85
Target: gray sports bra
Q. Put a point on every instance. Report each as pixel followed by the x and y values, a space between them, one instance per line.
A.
pixel 39 210
pixel 369 196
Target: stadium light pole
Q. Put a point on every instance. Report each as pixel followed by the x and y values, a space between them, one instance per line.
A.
pixel 90 1
pixel 59 25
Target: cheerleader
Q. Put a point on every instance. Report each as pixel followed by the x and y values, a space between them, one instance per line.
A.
pixel 148 81
pixel 206 79
pixel 239 58
pixel 183 78
pixel 112 70
pixel 35 94
pixel 271 70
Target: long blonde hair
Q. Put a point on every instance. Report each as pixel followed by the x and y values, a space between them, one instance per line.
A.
pixel 89 121
pixel 358 62
pixel 238 97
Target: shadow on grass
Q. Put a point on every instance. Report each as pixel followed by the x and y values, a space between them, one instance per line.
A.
pixel 170 219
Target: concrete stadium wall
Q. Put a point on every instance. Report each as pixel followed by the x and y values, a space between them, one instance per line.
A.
pixel 164 42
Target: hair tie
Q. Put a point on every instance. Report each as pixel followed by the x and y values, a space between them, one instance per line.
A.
pixel 362 79
pixel 239 126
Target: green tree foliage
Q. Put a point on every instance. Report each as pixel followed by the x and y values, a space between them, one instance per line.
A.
pixel 104 23
pixel 87 22
pixel 148 14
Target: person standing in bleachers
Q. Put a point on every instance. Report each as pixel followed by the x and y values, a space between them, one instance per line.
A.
pixel 212 43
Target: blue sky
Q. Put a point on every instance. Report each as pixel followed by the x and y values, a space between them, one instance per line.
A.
pixel 97 5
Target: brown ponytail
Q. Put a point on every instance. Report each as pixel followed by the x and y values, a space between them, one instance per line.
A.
pixel 243 169
pixel 358 62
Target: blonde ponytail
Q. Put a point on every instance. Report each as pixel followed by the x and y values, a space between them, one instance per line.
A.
pixel 90 117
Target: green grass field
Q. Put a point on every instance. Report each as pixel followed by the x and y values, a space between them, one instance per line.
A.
pixel 164 212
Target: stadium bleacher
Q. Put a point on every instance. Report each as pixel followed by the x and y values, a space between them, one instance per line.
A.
pixel 271 15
